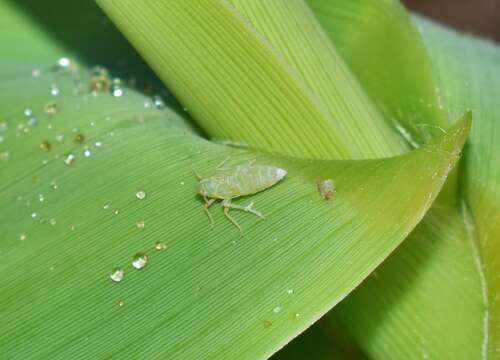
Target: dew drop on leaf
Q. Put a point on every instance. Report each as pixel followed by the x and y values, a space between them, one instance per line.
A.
pixel 22 237
pixel 140 224
pixel 69 159
pixel 45 146
pixel 117 275
pixel 160 246
pixel 140 260
pixel 141 195
pixel 278 309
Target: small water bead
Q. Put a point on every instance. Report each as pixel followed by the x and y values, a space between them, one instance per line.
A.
pixel 34 215
pixel 69 159
pixel 64 62
pixel 53 222
pixel 141 195
pixel 79 138
pixel 290 291
pixel 54 186
pixel 158 102
pixel 160 246
pixel 106 206
pixel 22 237
pixel 36 73
pixel 121 303
pixel 140 261
pixel 54 90
pixel 98 144
pixel 116 212
pixel 41 198
pixel 28 112
pixel 60 138
pixel 147 104
pixel 116 88
pixel 87 153
pixel 141 224
pixel 51 108
pixel 278 309
pixel 117 275
pixel 45 146
pixel 31 122
pixel 99 80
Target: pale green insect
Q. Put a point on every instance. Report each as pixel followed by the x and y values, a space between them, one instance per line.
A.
pixel 231 182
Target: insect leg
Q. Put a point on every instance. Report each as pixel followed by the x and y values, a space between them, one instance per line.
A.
pixel 227 205
pixel 198 176
pixel 208 202
pixel 223 162
pixel 249 208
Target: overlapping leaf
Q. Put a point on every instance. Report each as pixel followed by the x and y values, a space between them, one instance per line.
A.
pixel 66 224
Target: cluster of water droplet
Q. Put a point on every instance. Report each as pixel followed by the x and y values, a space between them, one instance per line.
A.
pixel 139 260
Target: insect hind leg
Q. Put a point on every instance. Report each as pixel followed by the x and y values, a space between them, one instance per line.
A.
pixel 249 208
pixel 227 206
pixel 208 202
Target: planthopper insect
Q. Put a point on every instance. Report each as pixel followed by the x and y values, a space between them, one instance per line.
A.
pixel 231 182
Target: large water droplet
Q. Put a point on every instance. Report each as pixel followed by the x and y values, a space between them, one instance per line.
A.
pixel 140 261
pixel 117 275
pixel 69 159
pixel 141 195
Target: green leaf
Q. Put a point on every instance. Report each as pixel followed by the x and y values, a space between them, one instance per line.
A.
pixel 469 68
pixel 248 78
pixel 211 293
pixel 379 43
pixel 443 278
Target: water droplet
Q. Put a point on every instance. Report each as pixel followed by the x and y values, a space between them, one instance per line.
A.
pixel 116 88
pixel 278 309
pixel 158 102
pixel 72 227
pixel 116 212
pixel 28 112
pixel 36 73
pixel 45 146
pixel 141 224
pixel 140 260
pixel 34 215
pixel 60 137
pixel 53 222
pixel 51 108
pixel 121 303
pixel 141 195
pixel 63 62
pixel 87 153
pixel 160 246
pixel 117 275
pixel 31 122
pixel 79 138
pixel 69 159
pixel 22 237
pixel 99 80
pixel 147 104
pixel 54 186
pixel 98 144
pixel 290 291
pixel 41 197
pixel 182 183
pixel 54 90
pixel 106 206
